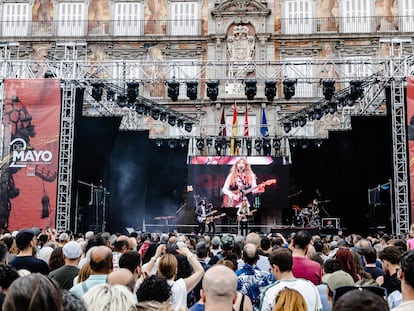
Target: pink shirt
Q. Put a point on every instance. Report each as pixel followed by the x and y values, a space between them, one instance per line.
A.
pixel 410 244
pixel 307 269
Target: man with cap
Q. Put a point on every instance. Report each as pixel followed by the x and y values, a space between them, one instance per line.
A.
pixel 72 252
pixel 26 243
pixel 337 279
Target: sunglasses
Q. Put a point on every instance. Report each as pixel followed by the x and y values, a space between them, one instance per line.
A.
pixel 338 292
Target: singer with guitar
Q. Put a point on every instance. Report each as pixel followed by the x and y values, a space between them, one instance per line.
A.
pixel 201 213
pixel 242 213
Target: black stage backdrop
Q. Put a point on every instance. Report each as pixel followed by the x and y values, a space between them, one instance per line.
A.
pixel 343 169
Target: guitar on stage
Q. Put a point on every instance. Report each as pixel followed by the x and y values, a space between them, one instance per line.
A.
pixel 206 217
pixel 212 218
pixel 238 194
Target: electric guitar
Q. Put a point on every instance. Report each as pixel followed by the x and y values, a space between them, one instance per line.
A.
pixel 211 218
pixel 201 218
pixel 241 217
pixel 231 202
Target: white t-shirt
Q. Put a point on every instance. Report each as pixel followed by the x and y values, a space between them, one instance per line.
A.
pixel 306 288
pixel 178 294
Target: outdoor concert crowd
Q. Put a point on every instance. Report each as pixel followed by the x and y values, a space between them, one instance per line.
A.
pixel 50 270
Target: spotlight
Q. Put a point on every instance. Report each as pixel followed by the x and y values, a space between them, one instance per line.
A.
pixel 248 143
pixel 270 89
pixel 328 89
pixel 237 143
pixel 49 74
pixel 158 142
pixel 147 110
pixel 356 89
pixel 173 90
pixel 289 88
pixel 183 142
pixel 97 91
pixel 293 143
pixel 311 115
pixel 132 91
pixel 155 113
pixel 192 89
pixel 212 89
pixel 110 96
pixel 250 88
pixel 318 113
pixel 172 120
pixel 276 144
pixel 218 146
pixel 172 143
pixel 325 109
pixel 304 143
pixel 295 122
pixel 200 143
pixel 287 127
pixel 318 143
pixel 332 107
pixel 180 123
pixel 302 121
pixel 140 107
pixel 258 144
pixel 163 116
pixel 188 126
pixel 209 141
pixel 121 101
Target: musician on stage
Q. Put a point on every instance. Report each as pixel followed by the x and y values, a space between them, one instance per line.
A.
pixel 240 179
pixel 242 213
pixel 210 220
pixel 200 213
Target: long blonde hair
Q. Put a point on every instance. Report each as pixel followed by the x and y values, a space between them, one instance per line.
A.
pixel 290 299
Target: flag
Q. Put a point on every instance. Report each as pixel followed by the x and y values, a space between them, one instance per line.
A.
pixel 246 132
pixel 234 150
pixel 263 129
pixel 222 131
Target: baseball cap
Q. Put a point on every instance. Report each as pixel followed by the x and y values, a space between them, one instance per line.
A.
pixel 72 250
pixel 215 241
pixel 63 237
pixel 24 237
pixel 338 279
pixel 227 242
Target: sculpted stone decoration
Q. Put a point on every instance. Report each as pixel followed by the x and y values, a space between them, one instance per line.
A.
pixel 240 45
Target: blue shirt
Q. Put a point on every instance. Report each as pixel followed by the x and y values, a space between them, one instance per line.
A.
pixel 251 281
pixel 94 279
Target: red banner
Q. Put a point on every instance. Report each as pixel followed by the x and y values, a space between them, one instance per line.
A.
pixel 410 134
pixel 31 123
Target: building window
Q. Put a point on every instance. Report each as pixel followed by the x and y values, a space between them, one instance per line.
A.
pixel 184 18
pixel 298 17
pixel 407 15
pixel 15 19
pixel 356 16
pixel 72 19
pixel 128 19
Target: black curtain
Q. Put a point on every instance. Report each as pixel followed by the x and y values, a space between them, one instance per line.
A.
pixel 343 169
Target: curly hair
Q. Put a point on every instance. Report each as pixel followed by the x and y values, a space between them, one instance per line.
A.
pixel 154 288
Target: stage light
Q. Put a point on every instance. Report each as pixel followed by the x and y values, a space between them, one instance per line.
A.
pixel 192 89
pixel 276 144
pixel 332 107
pixel 173 90
pixel 289 88
pixel 212 89
pixel 147 110
pixel 318 113
pixel 172 120
pixel 188 126
pixel 183 142
pixel 293 143
pixel 318 143
pixel 304 143
pixel 328 89
pixel 302 121
pixel 132 91
pixel 180 123
pixel 172 143
pixel 270 89
pixel 295 122
pixel 266 146
pixel 248 143
pixel 121 101
pixel 258 144
pixel 226 143
pixel 356 89
pixel 200 143
pixel 325 109
pixel 158 142
pixel 155 113
pixel 287 127
pixel 140 107
pixel 97 91
pixel 110 96
pixel 311 115
pixel 237 143
pixel 163 116
pixel 209 141
pixel 218 146
pixel 250 88
pixel 49 74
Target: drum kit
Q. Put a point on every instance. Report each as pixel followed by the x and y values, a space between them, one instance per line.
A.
pixel 309 215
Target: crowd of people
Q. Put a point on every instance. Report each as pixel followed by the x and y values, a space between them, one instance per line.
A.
pixel 49 270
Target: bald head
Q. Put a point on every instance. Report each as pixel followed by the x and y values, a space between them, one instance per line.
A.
pixel 121 276
pixel 219 285
pixel 250 254
pixel 253 238
pixel 101 260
